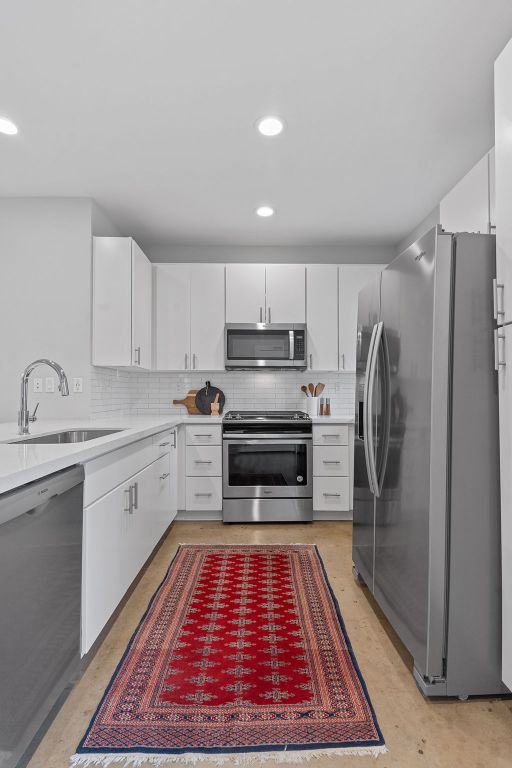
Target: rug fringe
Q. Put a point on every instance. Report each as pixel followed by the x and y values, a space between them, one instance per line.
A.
pixel 241 758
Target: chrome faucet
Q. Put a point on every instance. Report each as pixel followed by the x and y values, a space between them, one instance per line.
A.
pixel 24 417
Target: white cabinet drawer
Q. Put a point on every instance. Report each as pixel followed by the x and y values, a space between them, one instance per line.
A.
pixel 330 434
pixel 204 493
pixel 204 434
pixel 330 460
pixel 106 472
pixel 204 460
pixel 331 494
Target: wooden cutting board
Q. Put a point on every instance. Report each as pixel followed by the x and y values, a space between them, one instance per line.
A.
pixel 189 402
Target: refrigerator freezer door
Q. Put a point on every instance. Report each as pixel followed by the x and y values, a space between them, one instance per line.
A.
pixel 363 525
pixel 402 515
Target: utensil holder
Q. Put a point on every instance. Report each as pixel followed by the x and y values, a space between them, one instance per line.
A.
pixel 312 406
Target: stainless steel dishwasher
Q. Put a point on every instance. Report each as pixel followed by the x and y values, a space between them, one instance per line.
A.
pixel 40 599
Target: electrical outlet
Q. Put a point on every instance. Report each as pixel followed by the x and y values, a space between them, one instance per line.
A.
pixel 50 384
pixel 78 384
pixel 38 385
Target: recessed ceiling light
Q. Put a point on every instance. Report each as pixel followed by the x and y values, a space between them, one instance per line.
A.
pixel 7 126
pixel 270 125
pixel 265 211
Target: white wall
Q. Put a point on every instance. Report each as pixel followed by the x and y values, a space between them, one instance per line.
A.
pixel 253 254
pixel 433 218
pixel 45 298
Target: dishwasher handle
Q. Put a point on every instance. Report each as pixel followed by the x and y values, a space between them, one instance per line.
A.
pixel 28 498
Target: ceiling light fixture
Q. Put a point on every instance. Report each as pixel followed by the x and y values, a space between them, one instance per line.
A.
pixel 265 211
pixel 7 126
pixel 270 125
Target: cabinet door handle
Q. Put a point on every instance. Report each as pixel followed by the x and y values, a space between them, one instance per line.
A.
pixel 165 475
pixel 261 314
pixel 135 502
pixel 186 361
pixel 137 355
pixel 128 500
pixel 334 495
pixel 269 316
pixel 327 461
pixel 311 361
pixel 174 439
pixel 198 461
pixel 194 361
pixel 343 360
pixel 162 445
pixel 203 494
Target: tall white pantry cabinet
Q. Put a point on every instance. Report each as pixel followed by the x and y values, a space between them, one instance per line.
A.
pixel 503 336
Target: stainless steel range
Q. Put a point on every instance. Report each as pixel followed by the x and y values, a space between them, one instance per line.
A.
pixel 267 466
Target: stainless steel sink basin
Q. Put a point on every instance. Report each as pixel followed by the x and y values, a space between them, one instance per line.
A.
pixel 68 436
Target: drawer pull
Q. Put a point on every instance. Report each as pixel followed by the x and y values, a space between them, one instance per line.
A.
pixel 198 461
pixel 336 437
pixel 331 461
pixel 197 435
pixel 165 474
pixel 162 445
pixel 203 494
pixel 332 494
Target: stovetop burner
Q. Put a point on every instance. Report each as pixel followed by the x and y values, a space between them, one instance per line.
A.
pixel 266 416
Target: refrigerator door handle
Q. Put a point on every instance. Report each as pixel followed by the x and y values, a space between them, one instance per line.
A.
pixel 371 384
pixel 386 416
pixel 367 407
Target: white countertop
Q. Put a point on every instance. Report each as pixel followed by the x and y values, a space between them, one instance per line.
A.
pixel 20 464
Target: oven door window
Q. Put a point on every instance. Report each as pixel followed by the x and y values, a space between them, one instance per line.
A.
pixel 258 345
pixel 281 464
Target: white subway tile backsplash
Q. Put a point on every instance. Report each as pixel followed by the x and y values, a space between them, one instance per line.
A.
pixel 131 392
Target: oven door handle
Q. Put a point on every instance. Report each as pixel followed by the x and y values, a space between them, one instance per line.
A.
pixel 297 440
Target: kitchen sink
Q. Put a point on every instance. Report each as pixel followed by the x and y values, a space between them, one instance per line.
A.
pixel 68 436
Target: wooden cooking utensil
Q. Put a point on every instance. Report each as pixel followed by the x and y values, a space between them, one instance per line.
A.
pixel 305 390
pixel 215 405
pixel 311 390
pixel 189 402
pixel 319 389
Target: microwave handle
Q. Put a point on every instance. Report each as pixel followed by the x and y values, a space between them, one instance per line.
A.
pixel 292 345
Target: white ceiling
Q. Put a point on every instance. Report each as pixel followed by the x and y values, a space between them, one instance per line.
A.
pixel 149 107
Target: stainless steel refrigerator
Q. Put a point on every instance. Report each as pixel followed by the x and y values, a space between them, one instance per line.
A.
pixel 426 535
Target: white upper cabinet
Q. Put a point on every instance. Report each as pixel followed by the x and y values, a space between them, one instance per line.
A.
pixel 189 317
pixel 259 293
pixel 352 278
pixel 285 293
pixel 122 304
pixel 142 292
pixel 466 207
pixel 322 316
pixel 172 317
pixel 245 293
pixel 503 160
pixel 207 299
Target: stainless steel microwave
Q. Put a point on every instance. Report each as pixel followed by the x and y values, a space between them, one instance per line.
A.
pixel 265 345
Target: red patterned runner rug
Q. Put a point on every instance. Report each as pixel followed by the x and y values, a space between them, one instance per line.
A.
pixel 242 656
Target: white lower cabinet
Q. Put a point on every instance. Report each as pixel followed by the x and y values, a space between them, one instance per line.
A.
pixel 331 494
pixel 332 468
pixel 121 529
pixel 203 468
pixel 203 494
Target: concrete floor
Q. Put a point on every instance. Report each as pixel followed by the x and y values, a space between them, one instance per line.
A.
pixel 418 732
